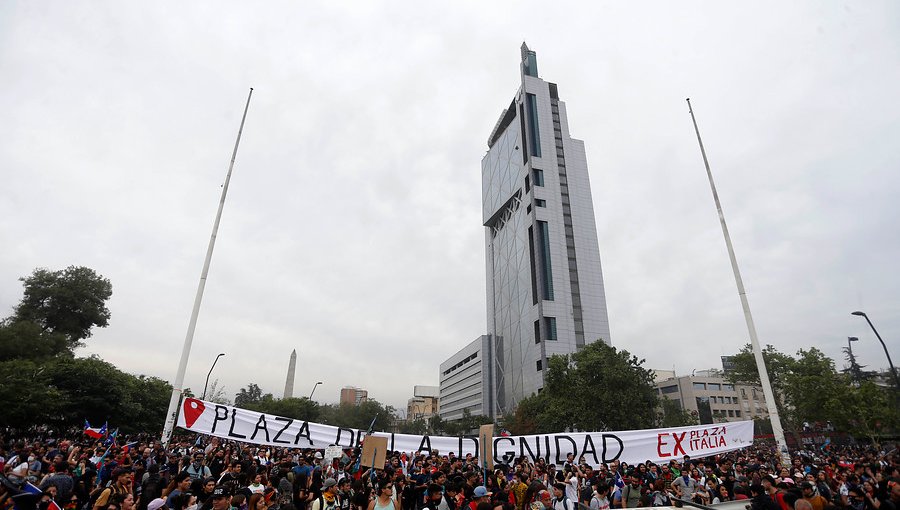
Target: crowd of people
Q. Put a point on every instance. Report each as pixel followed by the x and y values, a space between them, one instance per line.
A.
pixel 213 474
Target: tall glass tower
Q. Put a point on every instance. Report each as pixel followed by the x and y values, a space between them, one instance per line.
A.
pixel 545 291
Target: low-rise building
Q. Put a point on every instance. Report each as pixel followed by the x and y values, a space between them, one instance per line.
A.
pixel 353 395
pixel 424 404
pixel 713 399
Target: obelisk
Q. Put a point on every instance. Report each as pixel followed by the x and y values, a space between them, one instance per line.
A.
pixel 289 382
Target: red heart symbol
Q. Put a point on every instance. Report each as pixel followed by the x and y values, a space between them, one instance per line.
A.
pixel 193 408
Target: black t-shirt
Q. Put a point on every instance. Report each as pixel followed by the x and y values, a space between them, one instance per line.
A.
pixel 216 466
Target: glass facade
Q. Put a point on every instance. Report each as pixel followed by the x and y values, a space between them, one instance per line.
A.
pixel 534 137
pixel 551 328
pixel 510 240
pixel 529 63
pixel 533 313
pixel 546 273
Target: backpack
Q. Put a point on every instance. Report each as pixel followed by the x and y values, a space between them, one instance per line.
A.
pixel 92 498
pixel 322 504
pixel 150 489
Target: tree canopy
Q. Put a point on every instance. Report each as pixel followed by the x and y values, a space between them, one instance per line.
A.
pixel 808 388
pixel 43 383
pixel 597 388
pixel 70 302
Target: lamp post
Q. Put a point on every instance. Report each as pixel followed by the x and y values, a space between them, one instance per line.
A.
pixel 210 373
pixel 890 363
pixel 314 389
pixel 849 345
pixel 854 370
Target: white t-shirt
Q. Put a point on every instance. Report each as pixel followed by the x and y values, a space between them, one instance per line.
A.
pixel 598 503
pixel 572 489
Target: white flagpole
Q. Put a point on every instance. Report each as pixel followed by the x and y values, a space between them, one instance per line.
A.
pixel 172 413
pixel 777 430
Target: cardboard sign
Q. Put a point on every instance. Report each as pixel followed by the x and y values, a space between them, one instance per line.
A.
pixel 486 455
pixel 374 452
pixel 333 452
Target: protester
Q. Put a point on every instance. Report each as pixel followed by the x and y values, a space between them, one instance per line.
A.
pixel 135 478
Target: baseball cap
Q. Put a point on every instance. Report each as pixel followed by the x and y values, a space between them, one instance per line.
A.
pixel 156 504
pixel 331 482
pixel 481 491
pixel 221 491
pixel 806 485
pixel 318 455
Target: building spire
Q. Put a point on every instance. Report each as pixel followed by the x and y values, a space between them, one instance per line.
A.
pixel 529 61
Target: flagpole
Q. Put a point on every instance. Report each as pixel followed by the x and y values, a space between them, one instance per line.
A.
pixel 172 413
pixel 484 458
pixel 777 430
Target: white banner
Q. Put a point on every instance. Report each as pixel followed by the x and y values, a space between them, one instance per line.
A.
pixel 631 446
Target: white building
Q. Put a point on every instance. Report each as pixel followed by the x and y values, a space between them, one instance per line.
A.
pixel 545 290
pixel 465 381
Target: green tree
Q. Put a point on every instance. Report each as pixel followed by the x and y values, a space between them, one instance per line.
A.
pixel 248 396
pixel 601 388
pixel 91 388
pixel 524 421
pixel 870 411
pixel 25 396
pixel 42 383
pixel 149 397
pixel 359 416
pixel 671 414
pixel 813 389
pixel 597 388
pixel 216 393
pixel 808 388
pixel 69 302
pixel 778 366
pixel 296 408
pixel 418 426
pixel 27 340
pixel 436 425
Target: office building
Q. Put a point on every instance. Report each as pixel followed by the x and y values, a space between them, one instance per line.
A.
pixel 353 395
pixel 465 381
pixel 711 398
pixel 545 292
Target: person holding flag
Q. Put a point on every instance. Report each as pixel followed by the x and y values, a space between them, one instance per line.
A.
pixel 93 432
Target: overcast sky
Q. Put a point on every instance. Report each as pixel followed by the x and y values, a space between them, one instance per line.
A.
pixel 352 230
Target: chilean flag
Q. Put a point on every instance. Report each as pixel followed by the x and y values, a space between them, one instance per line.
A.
pixel 127 448
pixel 93 431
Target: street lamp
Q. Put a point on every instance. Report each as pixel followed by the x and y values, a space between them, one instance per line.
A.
pixel 849 345
pixel 855 372
pixel 890 363
pixel 314 389
pixel 210 373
